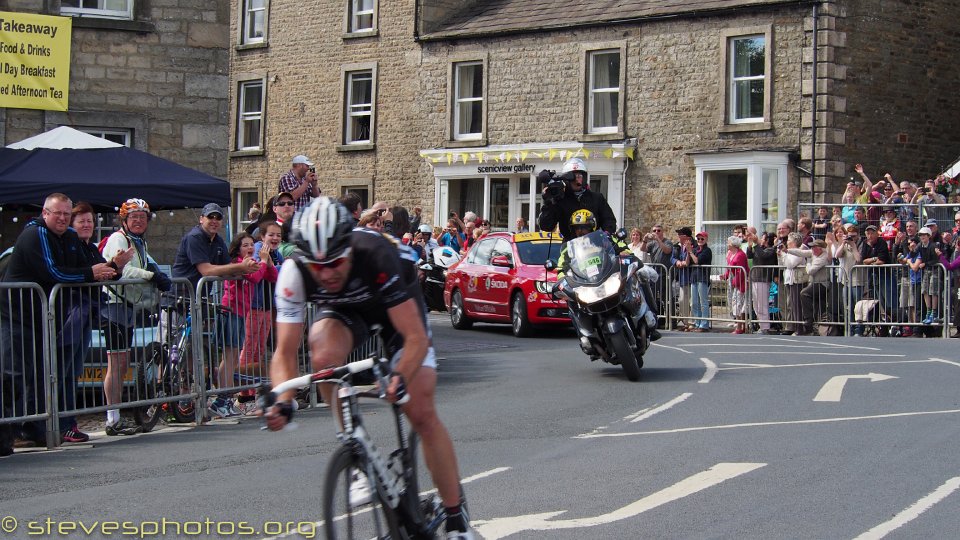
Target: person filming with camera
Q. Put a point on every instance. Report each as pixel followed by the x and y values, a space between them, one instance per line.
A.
pixel 300 182
pixel 566 193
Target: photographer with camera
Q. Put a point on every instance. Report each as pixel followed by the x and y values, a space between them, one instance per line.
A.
pixel 565 194
pixel 300 181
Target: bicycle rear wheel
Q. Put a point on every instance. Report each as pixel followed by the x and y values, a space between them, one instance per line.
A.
pixel 342 520
pixel 147 417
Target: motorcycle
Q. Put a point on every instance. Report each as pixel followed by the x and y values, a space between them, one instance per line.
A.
pixel 607 306
pixel 433 276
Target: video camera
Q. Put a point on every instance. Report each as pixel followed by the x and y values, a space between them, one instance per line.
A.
pixel 552 186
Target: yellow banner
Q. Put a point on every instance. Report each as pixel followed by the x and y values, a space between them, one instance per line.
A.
pixel 34 61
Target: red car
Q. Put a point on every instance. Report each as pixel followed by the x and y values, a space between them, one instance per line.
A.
pixel 502 279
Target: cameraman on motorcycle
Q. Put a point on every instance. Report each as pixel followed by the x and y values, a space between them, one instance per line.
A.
pixel 559 205
pixel 583 222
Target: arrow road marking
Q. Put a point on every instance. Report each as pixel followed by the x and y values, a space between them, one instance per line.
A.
pixel 493 529
pixel 833 389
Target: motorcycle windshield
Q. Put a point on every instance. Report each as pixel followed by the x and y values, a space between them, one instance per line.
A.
pixel 592 258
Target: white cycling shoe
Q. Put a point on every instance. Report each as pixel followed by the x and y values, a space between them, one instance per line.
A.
pixel 457 535
pixel 359 490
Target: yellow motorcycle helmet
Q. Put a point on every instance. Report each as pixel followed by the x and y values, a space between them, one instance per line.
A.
pixel 583 220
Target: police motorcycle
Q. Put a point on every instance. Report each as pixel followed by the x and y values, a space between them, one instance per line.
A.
pixel 433 275
pixel 607 306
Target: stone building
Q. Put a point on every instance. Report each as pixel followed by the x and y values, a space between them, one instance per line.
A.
pixel 150 74
pixel 686 113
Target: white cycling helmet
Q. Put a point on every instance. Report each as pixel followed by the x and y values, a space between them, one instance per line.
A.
pixel 573 165
pixel 322 229
pixel 425 229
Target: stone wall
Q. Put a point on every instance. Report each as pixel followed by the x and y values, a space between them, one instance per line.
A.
pixel 164 76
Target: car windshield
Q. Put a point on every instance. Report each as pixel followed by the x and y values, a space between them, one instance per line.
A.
pixel 537 253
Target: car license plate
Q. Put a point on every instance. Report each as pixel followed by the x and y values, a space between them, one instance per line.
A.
pixel 95 375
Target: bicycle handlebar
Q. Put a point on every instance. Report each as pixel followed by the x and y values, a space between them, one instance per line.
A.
pixel 270 396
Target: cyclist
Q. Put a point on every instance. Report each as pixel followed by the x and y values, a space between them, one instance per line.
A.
pixel 358 278
pixel 583 222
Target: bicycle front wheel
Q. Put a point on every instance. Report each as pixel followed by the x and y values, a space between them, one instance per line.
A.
pixel 363 517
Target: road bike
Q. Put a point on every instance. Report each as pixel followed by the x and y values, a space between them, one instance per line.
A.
pixel 165 370
pixel 395 509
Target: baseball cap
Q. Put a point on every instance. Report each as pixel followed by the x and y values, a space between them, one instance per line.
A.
pixel 925 230
pixel 871 228
pixel 818 243
pixel 282 194
pixel 302 159
pixel 685 231
pixel 211 208
pixel 930 222
pixel 703 234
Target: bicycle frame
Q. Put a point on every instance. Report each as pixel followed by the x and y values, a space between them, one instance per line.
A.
pixel 394 476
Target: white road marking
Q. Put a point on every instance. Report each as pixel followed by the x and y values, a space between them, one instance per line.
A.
pixel 710 372
pixel 319 524
pixel 764 424
pixel 818 364
pixel 767 346
pixel 494 529
pixel 736 365
pixel 669 347
pixel 872 355
pixel 913 511
pixel 952 363
pixel 831 344
pixel 644 414
pixel 832 390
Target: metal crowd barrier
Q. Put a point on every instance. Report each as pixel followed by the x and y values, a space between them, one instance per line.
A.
pixel 661 292
pixel 27 390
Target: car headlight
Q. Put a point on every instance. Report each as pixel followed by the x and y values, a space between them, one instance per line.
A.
pixel 590 295
pixel 544 287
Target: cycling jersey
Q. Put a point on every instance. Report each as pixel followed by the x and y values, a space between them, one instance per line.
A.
pixel 382 275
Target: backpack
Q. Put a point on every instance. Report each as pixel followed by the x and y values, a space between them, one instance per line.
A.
pixel 5 261
pixel 103 243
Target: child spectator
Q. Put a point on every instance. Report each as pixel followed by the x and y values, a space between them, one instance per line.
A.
pixel 237 298
pixel 259 319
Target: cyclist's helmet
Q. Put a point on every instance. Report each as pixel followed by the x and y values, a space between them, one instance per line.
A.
pixel 322 229
pixel 133 205
pixel 582 222
pixel 573 165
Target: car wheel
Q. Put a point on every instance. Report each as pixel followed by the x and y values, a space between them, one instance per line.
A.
pixel 458 316
pixel 518 316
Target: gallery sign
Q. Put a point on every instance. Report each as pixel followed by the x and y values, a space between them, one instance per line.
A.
pixel 34 61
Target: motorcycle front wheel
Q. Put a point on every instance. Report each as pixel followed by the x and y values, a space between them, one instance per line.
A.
pixel 625 355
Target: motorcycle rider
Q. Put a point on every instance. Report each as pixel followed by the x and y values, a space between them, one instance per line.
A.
pixel 583 222
pixel 558 208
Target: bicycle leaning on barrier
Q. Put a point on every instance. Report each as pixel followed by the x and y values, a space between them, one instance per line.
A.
pixel 388 504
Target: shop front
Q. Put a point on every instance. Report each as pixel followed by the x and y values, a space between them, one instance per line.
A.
pixel 499 183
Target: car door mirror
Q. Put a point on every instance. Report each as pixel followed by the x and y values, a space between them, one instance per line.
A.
pixel 550 265
pixel 501 260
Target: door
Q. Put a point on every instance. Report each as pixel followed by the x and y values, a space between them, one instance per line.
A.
pixel 499 278
pixel 477 298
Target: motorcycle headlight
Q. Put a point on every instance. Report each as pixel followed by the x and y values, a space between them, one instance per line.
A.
pixel 544 287
pixel 590 295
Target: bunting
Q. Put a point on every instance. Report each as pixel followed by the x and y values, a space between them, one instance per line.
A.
pixel 550 154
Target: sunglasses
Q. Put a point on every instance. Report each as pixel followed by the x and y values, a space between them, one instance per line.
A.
pixel 284 203
pixel 215 217
pixel 335 263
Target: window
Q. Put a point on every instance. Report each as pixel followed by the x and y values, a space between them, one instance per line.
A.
pixel 748 79
pixel 361 16
pixel 359 107
pixel 739 189
pixel 483 251
pixel 253 25
pixel 119 136
pixel 250 115
pixel 111 9
pixel 245 199
pixel 604 92
pixel 468 101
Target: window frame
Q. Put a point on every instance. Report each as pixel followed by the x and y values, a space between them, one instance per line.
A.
pixel 240 220
pixel 348 72
pixel 588 52
pixel 592 92
pixel 351 13
pixel 754 164
pixel 243 17
pixel 99 13
pixel 104 133
pixel 242 116
pixel 728 90
pixel 457 102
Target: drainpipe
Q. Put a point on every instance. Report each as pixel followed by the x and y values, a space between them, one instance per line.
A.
pixel 813 123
